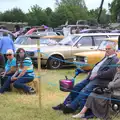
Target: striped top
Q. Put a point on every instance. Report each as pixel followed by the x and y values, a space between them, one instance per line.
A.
pixel 27 62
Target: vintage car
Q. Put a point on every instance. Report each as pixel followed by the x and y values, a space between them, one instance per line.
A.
pixel 10 34
pixel 30 41
pixel 86 60
pixel 54 57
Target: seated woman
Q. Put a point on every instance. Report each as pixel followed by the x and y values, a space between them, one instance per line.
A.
pixel 24 73
pixel 100 104
pixel 10 66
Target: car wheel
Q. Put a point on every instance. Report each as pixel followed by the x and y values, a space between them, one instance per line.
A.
pixel 55 62
pixel 115 107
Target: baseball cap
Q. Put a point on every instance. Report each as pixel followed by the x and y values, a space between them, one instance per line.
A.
pixel 10 51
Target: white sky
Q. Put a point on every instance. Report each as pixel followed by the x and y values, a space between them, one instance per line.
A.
pixel 25 4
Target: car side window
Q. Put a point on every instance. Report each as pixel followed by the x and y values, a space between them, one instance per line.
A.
pixel 98 39
pixel 85 41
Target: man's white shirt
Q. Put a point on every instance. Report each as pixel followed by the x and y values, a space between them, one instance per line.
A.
pixel 96 68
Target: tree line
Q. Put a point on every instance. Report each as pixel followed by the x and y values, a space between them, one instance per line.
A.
pixel 66 10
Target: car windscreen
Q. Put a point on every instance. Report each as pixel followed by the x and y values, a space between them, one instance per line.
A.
pixel 33 41
pixel 69 40
pixel 104 44
pixel 46 33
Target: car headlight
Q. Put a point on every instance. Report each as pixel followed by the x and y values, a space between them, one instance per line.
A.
pixel 74 59
pixel 86 59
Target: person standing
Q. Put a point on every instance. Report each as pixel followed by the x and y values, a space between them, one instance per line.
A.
pixel 6 43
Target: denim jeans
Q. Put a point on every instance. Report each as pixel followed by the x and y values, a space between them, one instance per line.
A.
pixel 79 94
pixel 19 83
pixel 6 83
pixel 5 78
pixel 75 91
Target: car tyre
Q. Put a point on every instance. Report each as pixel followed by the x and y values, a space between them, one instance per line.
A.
pixel 55 62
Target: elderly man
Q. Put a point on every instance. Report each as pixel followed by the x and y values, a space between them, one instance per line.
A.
pixel 10 67
pixel 102 73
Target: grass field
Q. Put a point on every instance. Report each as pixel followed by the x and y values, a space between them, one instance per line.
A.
pixel 16 106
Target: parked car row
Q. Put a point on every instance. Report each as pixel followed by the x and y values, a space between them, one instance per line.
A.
pixel 54 56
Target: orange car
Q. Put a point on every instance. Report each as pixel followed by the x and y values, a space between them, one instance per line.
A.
pixel 86 60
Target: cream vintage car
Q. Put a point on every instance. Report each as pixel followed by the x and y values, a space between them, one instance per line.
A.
pixel 55 56
pixel 86 60
pixel 30 41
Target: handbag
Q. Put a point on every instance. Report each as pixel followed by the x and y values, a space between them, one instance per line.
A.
pixel 98 90
pixel 101 90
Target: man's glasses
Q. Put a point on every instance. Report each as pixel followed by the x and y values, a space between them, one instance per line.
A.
pixel 8 54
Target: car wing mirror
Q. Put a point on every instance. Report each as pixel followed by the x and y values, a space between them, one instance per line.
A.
pixel 78 45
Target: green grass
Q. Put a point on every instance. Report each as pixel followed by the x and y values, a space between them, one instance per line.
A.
pixel 15 106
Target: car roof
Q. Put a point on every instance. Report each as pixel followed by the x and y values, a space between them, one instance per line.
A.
pixel 7 31
pixel 3 30
pixel 54 36
pixel 94 30
pixel 95 34
pixel 38 36
pixel 77 26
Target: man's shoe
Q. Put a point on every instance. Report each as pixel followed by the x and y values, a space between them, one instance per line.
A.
pixel 58 107
pixel 68 109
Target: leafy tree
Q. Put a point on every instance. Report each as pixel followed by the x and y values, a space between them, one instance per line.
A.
pixel 14 15
pixel 93 14
pixel 37 16
pixel 1 16
pixel 71 10
pixel 48 11
pixel 114 8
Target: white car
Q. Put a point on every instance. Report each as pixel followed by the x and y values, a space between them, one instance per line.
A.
pixel 30 41
pixel 54 56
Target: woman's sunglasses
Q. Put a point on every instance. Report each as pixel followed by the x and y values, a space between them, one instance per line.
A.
pixel 8 54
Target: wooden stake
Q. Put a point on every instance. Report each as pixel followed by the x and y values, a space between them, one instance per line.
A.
pixel 39 70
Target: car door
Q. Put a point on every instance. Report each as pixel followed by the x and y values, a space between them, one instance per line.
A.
pixel 85 43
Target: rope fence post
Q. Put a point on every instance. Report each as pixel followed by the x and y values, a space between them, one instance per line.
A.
pixel 39 70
